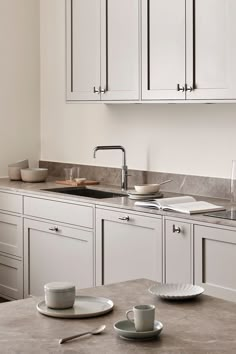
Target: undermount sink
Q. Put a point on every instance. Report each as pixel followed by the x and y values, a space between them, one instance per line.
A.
pixel 85 192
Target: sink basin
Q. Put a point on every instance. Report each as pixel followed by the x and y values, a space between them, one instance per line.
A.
pixel 85 192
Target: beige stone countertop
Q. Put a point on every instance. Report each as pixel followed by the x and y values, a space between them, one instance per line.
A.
pixel 38 189
pixel 202 325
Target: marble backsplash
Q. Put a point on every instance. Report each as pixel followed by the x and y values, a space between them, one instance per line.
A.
pixel 186 184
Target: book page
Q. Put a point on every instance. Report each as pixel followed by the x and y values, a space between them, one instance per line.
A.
pixel 193 207
pixel 174 200
pixel 149 203
pixel 160 203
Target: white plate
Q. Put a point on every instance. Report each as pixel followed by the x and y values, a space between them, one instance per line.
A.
pixel 176 291
pixel 137 196
pixel 125 329
pixel 84 306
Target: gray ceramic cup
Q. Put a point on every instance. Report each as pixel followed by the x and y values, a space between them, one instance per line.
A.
pixel 144 316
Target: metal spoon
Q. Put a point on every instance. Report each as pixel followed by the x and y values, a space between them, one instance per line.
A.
pixel 93 331
pixel 167 181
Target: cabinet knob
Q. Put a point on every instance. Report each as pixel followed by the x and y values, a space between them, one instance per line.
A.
pixel 95 90
pixel 188 88
pixel 180 88
pixel 124 218
pixel 176 229
pixel 54 228
pixel 102 90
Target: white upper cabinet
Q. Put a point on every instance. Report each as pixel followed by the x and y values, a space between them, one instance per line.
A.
pixel 173 50
pixel 211 49
pixel 102 50
pixel 83 49
pixel 163 49
pixel 120 50
pixel 188 50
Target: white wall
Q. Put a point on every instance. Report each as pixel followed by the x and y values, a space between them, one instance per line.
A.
pixel 19 82
pixel 191 139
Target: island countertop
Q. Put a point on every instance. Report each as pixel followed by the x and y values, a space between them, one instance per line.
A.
pixel 202 325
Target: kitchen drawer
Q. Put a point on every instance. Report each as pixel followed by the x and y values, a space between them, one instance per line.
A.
pixel 11 235
pixel 11 202
pixel 80 215
pixel 11 278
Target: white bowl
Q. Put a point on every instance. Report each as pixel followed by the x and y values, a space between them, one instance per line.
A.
pixel 34 174
pixel 147 188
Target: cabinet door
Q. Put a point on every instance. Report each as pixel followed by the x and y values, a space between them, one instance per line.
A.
pixel 11 235
pixel 211 50
pixel 128 246
pixel 215 261
pixel 178 252
pixel 120 50
pixel 83 49
pixel 65 254
pixel 163 49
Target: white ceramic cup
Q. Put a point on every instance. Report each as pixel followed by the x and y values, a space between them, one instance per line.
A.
pixel 144 316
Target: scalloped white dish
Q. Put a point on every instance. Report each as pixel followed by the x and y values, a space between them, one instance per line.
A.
pixel 176 291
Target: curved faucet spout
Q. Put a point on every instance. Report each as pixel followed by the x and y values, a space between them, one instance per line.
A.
pixel 124 170
pixel 111 147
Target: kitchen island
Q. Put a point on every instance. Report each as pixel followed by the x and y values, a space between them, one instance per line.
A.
pixel 202 325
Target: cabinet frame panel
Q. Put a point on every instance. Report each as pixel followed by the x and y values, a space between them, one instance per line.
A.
pixel 67 231
pixel 146 221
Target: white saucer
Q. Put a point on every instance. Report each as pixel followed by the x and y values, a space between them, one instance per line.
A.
pixel 84 306
pixel 176 291
pixel 137 196
pixel 125 329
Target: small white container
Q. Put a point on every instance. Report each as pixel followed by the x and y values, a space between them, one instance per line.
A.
pixel 59 295
pixel 34 174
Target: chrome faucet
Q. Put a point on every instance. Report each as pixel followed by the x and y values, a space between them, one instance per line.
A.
pixel 124 168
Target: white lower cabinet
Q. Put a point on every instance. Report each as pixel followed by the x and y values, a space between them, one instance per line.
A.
pixel 11 253
pixel 215 260
pixel 178 252
pixel 128 246
pixel 54 252
pixel 60 245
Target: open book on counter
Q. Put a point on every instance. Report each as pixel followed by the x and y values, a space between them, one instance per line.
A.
pixel 187 205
